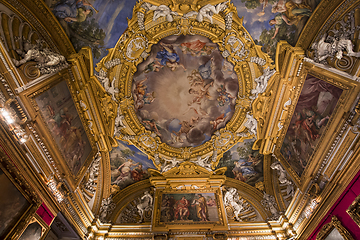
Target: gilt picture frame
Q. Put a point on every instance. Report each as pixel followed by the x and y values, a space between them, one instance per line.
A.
pixel 36 229
pixel 341 104
pixel 354 210
pixel 14 216
pixel 53 112
pixel 334 230
pixel 190 208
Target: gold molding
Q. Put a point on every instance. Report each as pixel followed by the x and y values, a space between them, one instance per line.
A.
pixel 153 32
pixel 13 173
pixel 354 211
pixel 292 84
pixel 329 227
pixel 28 98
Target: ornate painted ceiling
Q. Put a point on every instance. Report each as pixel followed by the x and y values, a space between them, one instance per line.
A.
pixel 179 119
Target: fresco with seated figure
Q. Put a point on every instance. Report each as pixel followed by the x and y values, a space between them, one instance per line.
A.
pixel 64 123
pixel 316 103
pixel 128 165
pixel 268 21
pixel 185 90
pixel 189 207
pixel 243 163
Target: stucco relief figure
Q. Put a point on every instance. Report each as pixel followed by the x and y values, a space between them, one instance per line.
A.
pixel 207 11
pixel 334 48
pixel 251 124
pixel 203 162
pixel 145 205
pixel 47 60
pixel 109 87
pixel 283 178
pixel 107 207
pixel 90 185
pixel 261 82
pixel 119 122
pixel 269 204
pixel 231 198
pixel 169 164
pixel 160 11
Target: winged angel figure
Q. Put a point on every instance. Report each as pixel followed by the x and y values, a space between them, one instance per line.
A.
pixel 160 11
pixel 207 11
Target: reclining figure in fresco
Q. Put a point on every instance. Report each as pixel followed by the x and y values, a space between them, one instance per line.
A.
pixel 146 203
pixel 47 60
pixel 334 48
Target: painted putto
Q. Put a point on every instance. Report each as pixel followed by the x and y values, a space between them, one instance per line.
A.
pixel 185 90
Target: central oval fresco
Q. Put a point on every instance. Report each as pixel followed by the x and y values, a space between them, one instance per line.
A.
pixel 185 90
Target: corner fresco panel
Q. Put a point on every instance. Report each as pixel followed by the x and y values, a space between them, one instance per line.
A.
pixel 97 24
pixel 60 115
pixel 316 103
pixel 189 207
pixel 243 163
pixel 269 21
pixel 128 165
pixel 100 23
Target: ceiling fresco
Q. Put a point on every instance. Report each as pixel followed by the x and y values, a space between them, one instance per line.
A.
pixel 187 123
pixel 59 112
pixel 97 24
pixel 243 163
pixel 100 23
pixel 316 103
pixel 128 165
pixel 185 90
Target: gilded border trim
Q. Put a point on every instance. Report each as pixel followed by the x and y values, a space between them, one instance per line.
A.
pixel 329 227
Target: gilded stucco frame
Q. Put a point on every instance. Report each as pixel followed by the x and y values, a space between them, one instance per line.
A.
pixel 44 227
pixel 354 210
pixel 17 179
pixel 221 224
pixel 28 98
pixel 349 87
pixel 334 224
pixel 124 66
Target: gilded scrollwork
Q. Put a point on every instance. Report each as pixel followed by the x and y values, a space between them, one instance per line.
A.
pixel 219 23
pixel 334 225
pixel 354 210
